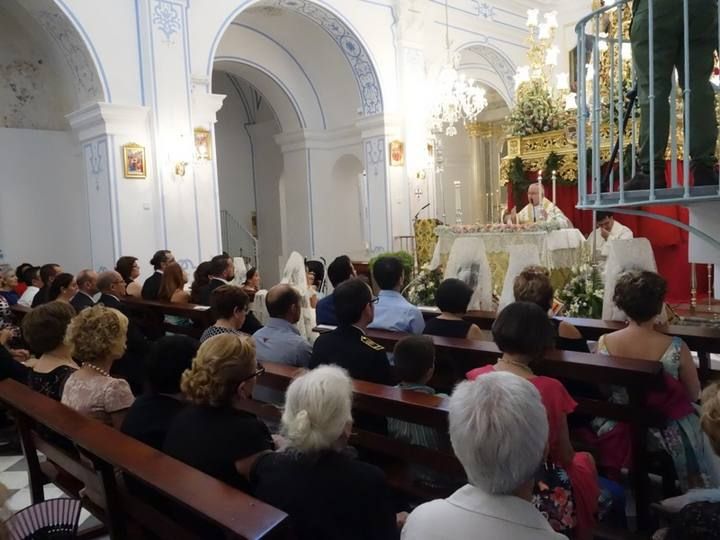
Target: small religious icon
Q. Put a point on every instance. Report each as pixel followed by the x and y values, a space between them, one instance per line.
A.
pixel 397 154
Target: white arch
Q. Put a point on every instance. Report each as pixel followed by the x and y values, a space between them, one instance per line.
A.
pixel 500 63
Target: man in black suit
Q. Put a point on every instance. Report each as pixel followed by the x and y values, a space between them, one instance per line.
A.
pixel 160 260
pixel 87 288
pixel 130 367
pixel 221 272
pixel 47 276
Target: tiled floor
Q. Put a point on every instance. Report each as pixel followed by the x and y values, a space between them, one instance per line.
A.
pixel 13 474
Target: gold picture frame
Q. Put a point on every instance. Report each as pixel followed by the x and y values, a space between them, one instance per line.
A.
pixel 135 164
pixel 397 153
pixel 203 144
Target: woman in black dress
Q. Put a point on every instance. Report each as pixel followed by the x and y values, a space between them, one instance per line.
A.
pixel 326 492
pixel 44 330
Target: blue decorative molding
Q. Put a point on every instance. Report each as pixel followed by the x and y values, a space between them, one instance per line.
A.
pixel 166 16
pixel 352 49
pixel 96 156
pixel 375 154
pixel 187 264
pixel 485 10
pixel 500 63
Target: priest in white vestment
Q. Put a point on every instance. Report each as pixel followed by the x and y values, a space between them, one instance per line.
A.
pixel 539 210
pixel 607 230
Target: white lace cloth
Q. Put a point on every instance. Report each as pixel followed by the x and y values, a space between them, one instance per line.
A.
pixel 294 274
pixel 521 256
pixel 557 249
pixel 468 262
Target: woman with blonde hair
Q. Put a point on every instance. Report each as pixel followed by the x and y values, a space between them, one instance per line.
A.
pixel 212 434
pixel 326 492
pixel 97 337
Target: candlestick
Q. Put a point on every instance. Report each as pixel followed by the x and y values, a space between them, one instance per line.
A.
pixel 693 289
pixel 710 287
pixel 458 203
pixel 554 187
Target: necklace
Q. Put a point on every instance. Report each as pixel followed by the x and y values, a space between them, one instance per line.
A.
pixel 518 365
pixel 100 370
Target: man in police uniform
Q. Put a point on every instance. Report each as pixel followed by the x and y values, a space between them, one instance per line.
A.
pixel 347 346
pixel 669 54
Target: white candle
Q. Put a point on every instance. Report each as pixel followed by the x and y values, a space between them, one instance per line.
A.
pixel 554 187
pixel 563 81
pixel 533 15
pixel 543 31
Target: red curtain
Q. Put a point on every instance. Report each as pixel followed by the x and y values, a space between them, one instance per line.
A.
pixel 669 243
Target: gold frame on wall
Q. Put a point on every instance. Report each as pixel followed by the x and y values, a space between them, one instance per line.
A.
pixel 129 168
pixel 200 136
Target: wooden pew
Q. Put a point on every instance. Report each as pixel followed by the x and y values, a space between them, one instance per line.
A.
pixel 636 376
pixel 176 502
pixel 702 340
pixel 390 402
pixel 150 316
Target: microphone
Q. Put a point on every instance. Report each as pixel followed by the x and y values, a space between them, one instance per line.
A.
pixel 418 212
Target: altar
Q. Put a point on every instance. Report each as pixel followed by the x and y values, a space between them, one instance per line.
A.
pixel 560 249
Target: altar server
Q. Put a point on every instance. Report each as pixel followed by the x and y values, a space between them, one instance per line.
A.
pixel 607 230
pixel 539 210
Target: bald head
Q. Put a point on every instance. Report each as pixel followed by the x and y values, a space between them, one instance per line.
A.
pixel 87 281
pixel 535 191
pixel 283 302
pixel 107 280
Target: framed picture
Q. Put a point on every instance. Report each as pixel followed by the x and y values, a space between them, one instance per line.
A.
pixel 397 154
pixel 203 144
pixel 134 161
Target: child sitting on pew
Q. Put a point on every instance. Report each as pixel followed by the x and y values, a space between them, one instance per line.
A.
pixel 414 366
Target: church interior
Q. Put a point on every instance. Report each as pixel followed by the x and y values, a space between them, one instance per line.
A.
pixel 360 269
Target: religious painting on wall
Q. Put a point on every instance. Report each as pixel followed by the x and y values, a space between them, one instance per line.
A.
pixel 397 154
pixel 134 161
pixel 203 144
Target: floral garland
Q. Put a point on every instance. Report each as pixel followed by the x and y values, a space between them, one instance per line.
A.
pixel 583 295
pixel 543 226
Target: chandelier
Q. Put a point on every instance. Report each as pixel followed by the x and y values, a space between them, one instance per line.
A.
pixel 457 97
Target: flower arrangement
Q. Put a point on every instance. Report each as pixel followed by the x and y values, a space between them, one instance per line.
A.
pixel 536 110
pixel 583 295
pixel 423 288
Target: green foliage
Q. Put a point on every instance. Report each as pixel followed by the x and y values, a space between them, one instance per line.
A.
pixel 406 258
pixel 583 295
pixel 535 111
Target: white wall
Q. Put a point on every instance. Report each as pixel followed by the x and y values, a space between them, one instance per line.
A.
pixel 44 213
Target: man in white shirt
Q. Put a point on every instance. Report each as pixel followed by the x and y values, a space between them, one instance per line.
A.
pixel 500 465
pixel 607 230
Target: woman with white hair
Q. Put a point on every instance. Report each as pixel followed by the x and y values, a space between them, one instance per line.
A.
pixel 498 430
pixel 327 494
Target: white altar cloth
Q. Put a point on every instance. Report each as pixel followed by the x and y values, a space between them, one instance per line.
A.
pixel 558 249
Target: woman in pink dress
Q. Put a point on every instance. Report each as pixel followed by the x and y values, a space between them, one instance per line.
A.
pixel 523 333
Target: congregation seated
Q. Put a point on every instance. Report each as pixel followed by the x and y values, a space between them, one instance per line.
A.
pixel 393 312
pixel 44 330
pixel 499 431
pixel 533 285
pixel 47 276
pixel 347 345
pixel 8 285
pixel 523 332
pixel 97 338
pixel 150 416
pixel 251 285
pixel 64 287
pixel 11 364
pixel 698 519
pixel 21 286
pixel 32 281
pixel 129 269
pixel 340 270
pixel 211 433
pixel 640 295
pixel 280 340
pixel 159 261
pixel 452 298
pixel 87 288
pixel 326 492
pixel 201 278
pixel 172 285
pixel 229 305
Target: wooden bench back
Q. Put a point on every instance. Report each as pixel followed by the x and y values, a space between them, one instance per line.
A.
pixel 102 450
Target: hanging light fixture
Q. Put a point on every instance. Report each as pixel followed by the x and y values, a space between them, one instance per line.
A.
pixel 457 97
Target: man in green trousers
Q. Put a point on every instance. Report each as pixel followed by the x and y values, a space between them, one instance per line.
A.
pixel 668 54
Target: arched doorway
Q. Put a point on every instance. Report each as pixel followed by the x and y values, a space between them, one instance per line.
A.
pixel 49 74
pixel 300 90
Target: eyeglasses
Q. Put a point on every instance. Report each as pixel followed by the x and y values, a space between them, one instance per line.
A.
pixel 374 300
pixel 259 371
